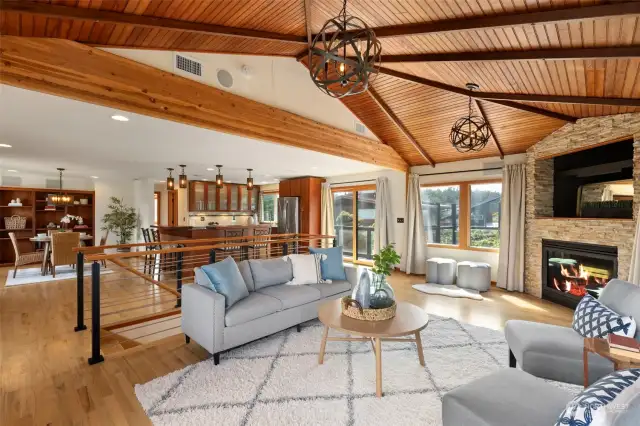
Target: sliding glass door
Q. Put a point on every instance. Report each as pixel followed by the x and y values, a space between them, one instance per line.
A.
pixel 354 212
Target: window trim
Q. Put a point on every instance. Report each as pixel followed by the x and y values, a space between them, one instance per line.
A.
pixel 464 220
pixel 354 188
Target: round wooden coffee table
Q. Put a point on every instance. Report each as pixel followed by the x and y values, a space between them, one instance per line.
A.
pixel 409 320
pixel 601 347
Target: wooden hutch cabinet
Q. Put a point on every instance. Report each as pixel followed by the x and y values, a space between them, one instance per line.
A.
pixel 205 197
pixel 309 190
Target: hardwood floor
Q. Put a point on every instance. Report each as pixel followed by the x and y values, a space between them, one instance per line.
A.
pixel 45 378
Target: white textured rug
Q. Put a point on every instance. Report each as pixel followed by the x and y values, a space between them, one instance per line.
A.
pixel 448 290
pixel 34 275
pixel 277 380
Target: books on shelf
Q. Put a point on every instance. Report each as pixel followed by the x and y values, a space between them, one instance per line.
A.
pixel 623 343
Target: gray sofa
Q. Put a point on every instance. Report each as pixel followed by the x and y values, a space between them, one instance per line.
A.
pixel 270 307
pixel 554 352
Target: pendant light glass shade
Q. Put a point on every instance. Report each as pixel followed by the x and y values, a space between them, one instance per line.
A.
pixel 61 199
pixel 250 180
pixel 170 183
pixel 182 179
pixel 219 177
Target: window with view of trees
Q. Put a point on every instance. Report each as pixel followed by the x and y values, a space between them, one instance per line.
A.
pixel 269 207
pixel 466 215
pixel 354 211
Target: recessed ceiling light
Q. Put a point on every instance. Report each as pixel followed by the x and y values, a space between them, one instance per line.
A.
pixel 12 171
pixel 94 177
pixel 119 118
pixel 210 169
pixel 5 145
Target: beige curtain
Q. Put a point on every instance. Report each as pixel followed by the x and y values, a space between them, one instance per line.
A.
pixel 383 233
pixel 414 260
pixel 634 270
pixel 326 214
pixel 511 258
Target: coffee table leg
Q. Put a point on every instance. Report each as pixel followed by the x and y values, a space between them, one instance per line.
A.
pixel 419 347
pixel 323 345
pixel 378 367
pixel 585 362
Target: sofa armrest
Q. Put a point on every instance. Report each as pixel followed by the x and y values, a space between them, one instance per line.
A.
pixel 203 314
pixel 351 272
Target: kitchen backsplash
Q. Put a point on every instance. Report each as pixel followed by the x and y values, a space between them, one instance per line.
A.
pixel 222 220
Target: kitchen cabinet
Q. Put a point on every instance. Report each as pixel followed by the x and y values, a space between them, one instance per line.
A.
pixel 244 198
pixel 254 195
pixel 206 197
pixel 233 198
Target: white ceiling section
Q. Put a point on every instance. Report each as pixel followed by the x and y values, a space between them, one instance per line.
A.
pixel 48 132
pixel 277 81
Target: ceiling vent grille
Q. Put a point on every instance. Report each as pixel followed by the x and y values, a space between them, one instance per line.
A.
pixel 360 128
pixel 188 65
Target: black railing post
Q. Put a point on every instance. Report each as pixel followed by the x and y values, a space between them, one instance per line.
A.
pixel 179 277
pixel 295 245
pixel 285 249
pixel 335 242
pixel 80 292
pixel 212 256
pixel 96 357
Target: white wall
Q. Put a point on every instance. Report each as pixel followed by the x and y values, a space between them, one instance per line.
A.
pixel 398 186
pixel 459 172
pixel 105 189
pixel 143 202
pixel 39 180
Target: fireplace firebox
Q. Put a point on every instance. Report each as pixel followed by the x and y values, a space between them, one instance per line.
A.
pixel 571 270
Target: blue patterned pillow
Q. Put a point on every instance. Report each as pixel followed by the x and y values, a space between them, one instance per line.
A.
pixel 602 400
pixel 593 319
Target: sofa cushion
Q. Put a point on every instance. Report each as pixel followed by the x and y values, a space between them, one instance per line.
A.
pixel 506 397
pixel 623 298
pixel 593 319
pixel 245 271
pixel 268 272
pixel 292 295
pixel 331 289
pixel 227 280
pixel 306 269
pixel 332 267
pixel 254 306
pixel 552 352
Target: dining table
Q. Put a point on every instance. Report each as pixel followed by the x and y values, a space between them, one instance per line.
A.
pixel 46 240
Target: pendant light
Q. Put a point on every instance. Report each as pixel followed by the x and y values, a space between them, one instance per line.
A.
pixel 471 132
pixel 170 183
pixel 182 179
pixel 61 199
pixel 219 177
pixel 249 180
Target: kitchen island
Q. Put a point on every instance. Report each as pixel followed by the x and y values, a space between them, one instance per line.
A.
pixel 173 233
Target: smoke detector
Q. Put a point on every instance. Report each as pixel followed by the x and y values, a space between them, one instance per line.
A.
pixel 246 71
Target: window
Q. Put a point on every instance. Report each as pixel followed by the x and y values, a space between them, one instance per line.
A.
pixel 485 215
pixel 269 207
pixel 354 212
pixel 465 215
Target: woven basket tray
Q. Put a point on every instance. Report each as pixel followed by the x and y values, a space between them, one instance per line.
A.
pixel 368 314
pixel 15 222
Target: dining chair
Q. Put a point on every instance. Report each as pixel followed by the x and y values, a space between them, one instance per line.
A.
pixel 260 234
pixel 24 258
pixel 62 245
pixel 103 242
pixel 147 258
pixel 234 233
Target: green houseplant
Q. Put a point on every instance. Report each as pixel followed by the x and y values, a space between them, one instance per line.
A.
pixel 121 220
pixel 382 295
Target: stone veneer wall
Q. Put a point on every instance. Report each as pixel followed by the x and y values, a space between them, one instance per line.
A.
pixel 539 198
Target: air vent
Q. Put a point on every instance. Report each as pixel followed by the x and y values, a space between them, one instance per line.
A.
pixel 188 65
pixel 360 128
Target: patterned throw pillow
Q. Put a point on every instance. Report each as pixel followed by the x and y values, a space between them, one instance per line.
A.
pixel 306 268
pixel 603 401
pixel 593 319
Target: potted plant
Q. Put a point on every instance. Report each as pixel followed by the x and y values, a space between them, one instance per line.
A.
pixel 383 263
pixel 121 220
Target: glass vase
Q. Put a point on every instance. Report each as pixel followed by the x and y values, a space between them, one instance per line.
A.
pixel 362 291
pixel 381 293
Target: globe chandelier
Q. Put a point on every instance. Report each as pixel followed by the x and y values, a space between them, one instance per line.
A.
pixel 470 133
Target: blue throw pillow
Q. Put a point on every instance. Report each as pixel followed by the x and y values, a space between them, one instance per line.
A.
pixel 332 267
pixel 602 401
pixel 593 319
pixel 227 280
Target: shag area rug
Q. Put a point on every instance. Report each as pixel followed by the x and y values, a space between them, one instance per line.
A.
pixel 448 290
pixel 277 380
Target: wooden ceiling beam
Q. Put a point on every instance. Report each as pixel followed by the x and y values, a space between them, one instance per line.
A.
pixel 108 17
pixel 497 21
pixel 465 92
pixel 558 99
pixel 518 55
pixel 72 70
pixel 396 121
pixel 486 120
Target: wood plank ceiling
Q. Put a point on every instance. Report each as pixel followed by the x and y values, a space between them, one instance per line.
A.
pixel 423 114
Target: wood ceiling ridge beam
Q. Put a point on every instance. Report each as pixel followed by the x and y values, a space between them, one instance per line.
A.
pixel 486 120
pixel 518 55
pixel 558 99
pixel 394 118
pixel 103 16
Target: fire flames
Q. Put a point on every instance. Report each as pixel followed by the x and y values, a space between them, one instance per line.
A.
pixel 576 280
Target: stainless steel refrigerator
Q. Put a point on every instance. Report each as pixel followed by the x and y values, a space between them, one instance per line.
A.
pixel 288 215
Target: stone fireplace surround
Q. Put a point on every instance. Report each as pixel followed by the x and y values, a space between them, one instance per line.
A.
pixel 539 220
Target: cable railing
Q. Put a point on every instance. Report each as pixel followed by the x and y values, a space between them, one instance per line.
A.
pixel 128 290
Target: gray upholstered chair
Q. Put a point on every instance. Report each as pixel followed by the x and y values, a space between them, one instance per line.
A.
pixel 554 352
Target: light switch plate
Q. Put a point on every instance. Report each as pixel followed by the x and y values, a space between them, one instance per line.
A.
pixel 400 220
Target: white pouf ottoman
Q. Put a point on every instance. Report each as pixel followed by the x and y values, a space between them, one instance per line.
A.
pixel 474 275
pixel 441 271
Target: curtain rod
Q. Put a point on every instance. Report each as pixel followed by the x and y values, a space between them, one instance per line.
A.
pixel 460 171
pixel 353 181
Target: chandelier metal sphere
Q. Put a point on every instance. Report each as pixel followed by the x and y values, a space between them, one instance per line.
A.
pixel 344 57
pixel 470 133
